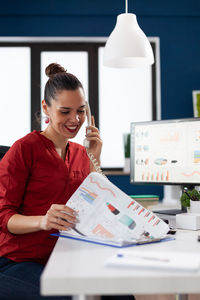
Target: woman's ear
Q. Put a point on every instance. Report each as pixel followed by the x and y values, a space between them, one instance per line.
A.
pixel 45 107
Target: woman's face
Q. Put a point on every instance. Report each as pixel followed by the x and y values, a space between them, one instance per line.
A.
pixel 67 113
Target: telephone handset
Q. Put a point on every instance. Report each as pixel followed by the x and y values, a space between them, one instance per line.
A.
pixel 86 143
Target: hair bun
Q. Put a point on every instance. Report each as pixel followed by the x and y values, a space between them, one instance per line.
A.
pixel 53 69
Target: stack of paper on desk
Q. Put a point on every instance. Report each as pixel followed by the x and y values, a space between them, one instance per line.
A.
pixel 109 216
pixel 118 243
pixel 177 261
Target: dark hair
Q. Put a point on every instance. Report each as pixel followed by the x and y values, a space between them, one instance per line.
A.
pixel 59 80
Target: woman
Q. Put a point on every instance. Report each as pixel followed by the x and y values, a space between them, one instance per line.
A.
pixel 37 177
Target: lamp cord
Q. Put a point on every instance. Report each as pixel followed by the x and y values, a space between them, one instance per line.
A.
pixel 126 6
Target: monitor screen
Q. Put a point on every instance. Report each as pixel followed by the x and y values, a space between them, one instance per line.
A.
pixel 166 152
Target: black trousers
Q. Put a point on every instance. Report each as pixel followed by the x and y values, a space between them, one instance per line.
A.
pixel 21 281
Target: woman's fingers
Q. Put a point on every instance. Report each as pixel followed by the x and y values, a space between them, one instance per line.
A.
pixel 52 222
pixel 93 134
pixel 92 129
pixel 92 121
pixel 64 208
pixel 95 139
pixel 61 217
pixel 60 224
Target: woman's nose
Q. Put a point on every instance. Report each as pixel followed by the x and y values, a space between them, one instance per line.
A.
pixel 75 117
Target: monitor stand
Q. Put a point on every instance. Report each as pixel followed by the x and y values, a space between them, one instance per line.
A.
pixel 172 194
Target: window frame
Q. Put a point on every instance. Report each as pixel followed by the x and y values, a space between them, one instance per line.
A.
pixel 90 45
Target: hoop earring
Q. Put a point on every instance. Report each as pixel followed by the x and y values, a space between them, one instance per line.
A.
pixel 46 120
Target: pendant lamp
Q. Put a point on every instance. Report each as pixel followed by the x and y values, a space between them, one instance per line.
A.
pixel 127 45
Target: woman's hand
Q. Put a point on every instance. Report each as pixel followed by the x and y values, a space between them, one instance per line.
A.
pixel 59 217
pixel 95 140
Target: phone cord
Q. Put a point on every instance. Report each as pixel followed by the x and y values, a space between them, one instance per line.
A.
pixel 95 164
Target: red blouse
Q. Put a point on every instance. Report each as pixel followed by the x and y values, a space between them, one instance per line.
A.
pixel 33 177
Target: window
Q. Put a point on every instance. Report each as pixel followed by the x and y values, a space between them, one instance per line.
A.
pixel 116 97
pixel 15 94
pixel 125 95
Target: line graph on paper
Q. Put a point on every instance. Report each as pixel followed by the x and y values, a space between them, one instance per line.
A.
pixel 101 187
pixel 191 174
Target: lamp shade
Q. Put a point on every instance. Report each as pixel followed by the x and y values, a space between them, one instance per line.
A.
pixel 127 45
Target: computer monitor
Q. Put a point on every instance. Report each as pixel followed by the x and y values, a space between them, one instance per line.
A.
pixel 166 152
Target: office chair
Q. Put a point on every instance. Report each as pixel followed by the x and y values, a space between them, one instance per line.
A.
pixel 3 150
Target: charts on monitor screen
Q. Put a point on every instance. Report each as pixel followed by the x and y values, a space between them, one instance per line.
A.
pixel 166 152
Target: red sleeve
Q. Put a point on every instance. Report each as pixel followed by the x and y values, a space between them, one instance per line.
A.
pixel 14 173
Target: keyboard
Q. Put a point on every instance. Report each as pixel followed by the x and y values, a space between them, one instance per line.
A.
pixel 171 212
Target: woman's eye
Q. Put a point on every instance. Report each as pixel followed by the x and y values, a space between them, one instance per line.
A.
pixel 67 112
pixel 64 112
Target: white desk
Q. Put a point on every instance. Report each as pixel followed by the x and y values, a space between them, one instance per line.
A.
pixel 77 268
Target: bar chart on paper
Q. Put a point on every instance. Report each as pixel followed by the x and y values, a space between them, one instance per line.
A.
pixel 104 211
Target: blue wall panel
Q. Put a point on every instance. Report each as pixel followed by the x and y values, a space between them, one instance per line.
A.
pixel 177 23
pixel 123 183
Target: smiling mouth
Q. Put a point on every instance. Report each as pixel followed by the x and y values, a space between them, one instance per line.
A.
pixel 71 129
